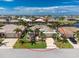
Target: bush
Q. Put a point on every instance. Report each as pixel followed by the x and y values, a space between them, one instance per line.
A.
pixel 1 40
pixel 1 25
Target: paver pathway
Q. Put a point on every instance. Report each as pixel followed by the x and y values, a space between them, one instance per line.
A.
pixel 9 43
pixel 50 43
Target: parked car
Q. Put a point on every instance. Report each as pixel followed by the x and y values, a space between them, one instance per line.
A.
pixel 72 39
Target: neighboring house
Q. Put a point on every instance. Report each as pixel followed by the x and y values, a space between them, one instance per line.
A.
pixel 9 32
pixel 9 22
pixel 3 17
pixel 8 28
pixel 67 31
pixel 39 20
pixel 71 18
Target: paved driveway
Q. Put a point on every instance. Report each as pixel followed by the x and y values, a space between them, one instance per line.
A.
pixel 9 43
pixel 50 43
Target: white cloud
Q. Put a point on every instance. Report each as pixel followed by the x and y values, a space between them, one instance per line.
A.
pixel 21 10
pixel 46 8
pixel 2 8
pixel 7 0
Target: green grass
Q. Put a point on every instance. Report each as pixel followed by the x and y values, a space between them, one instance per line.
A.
pixel 63 45
pixel 27 44
pixel 67 22
pixel 38 44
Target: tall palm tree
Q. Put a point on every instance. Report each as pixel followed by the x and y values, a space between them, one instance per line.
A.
pixel 22 22
pixel 57 37
pixel 47 18
pixel 25 24
pixel 1 38
pixel 56 25
pixel 18 31
pixel 76 34
pixel 61 18
pixel 42 35
pixel 33 18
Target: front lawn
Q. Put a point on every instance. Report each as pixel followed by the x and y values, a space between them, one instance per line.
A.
pixel 61 42
pixel 63 45
pixel 27 44
pixel 38 44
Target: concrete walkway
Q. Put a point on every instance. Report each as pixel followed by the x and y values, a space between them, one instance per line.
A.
pixel 9 43
pixel 74 45
pixel 50 43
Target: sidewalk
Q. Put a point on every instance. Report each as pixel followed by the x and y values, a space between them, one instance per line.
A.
pixel 50 43
pixel 9 43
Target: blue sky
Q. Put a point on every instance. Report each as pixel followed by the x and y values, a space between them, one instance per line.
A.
pixel 39 7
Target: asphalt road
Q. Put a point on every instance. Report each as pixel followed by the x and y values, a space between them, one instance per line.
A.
pixel 41 53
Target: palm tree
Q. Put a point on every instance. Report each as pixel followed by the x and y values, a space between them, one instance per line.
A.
pixel 16 17
pixel 57 37
pixel 76 34
pixel 37 31
pixel 47 18
pixel 42 35
pixel 17 30
pixel 1 34
pixel 64 40
pixel 1 40
pixel 24 23
pixel 56 25
pixel 33 18
pixel 1 25
pixel 61 18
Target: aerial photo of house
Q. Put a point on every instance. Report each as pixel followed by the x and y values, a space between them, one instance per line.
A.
pixel 39 32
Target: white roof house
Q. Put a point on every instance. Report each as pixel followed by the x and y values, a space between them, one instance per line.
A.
pixel 28 20
pixel 40 20
pixel 19 18
pixel 23 18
